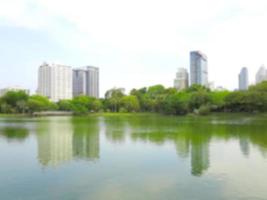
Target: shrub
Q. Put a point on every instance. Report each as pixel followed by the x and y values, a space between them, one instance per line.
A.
pixel 204 110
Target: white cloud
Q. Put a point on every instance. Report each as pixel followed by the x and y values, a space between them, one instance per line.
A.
pixel 142 35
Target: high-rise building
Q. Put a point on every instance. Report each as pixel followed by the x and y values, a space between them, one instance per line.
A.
pixel 181 80
pixel 79 82
pixel 261 75
pixel 92 81
pixel 198 68
pixel 243 79
pixel 86 81
pixel 55 81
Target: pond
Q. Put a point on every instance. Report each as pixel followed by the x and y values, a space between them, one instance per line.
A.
pixel 134 156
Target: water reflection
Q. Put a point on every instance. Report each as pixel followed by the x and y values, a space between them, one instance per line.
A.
pixel 244 146
pixel 54 140
pixel 191 140
pixel 63 139
pixel 86 138
pixel 14 133
pixel 116 129
pixel 199 157
pixel 192 136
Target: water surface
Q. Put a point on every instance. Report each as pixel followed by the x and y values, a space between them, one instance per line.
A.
pixel 129 157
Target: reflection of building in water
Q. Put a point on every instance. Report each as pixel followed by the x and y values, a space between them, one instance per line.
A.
pixel 86 141
pixel 54 141
pixel 199 157
pixel 244 146
pixel 182 147
pixel 197 145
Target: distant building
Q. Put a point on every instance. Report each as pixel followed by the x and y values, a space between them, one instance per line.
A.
pixel 198 68
pixel 261 75
pixel 86 81
pixel 220 88
pixel 3 91
pixel 79 82
pixel 243 79
pixel 211 85
pixel 181 80
pixel 55 81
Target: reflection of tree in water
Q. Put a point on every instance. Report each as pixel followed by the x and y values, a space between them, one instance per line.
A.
pixel 257 135
pixel 14 133
pixel 199 157
pixel 194 138
pixel 116 129
pixel 182 147
pixel 54 138
pixel 86 138
pixel 189 138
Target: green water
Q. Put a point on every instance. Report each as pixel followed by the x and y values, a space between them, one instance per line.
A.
pixel 135 157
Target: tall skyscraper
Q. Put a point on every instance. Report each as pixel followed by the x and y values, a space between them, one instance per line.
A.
pixel 198 68
pixel 261 75
pixel 79 82
pixel 243 79
pixel 181 80
pixel 86 81
pixel 55 81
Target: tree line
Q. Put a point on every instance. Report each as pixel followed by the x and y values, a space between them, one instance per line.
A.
pixel 195 99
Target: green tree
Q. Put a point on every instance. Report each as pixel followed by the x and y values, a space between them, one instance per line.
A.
pixel 65 105
pixel 38 103
pixel 81 104
pixel 113 99
pixel 130 103
pixel 15 101
pixel 218 99
pixel 198 98
pixel 176 103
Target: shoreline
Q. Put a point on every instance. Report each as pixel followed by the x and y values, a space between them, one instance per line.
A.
pixel 111 114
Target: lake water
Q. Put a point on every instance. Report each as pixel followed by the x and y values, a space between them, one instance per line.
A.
pixel 134 157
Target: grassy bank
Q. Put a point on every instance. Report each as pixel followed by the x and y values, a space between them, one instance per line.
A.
pixel 143 114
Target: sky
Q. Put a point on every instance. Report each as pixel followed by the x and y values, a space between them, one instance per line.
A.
pixel 134 43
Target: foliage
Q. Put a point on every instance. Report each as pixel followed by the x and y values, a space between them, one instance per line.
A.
pixel 130 103
pixel 113 99
pixel 14 102
pixel 253 100
pixel 157 98
pixel 204 110
pixel 38 103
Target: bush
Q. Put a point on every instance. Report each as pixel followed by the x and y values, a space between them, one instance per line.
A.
pixel 123 110
pixel 204 110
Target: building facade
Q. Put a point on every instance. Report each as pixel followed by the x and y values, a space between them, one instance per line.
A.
pixel 55 81
pixel 86 81
pixel 79 82
pixel 261 74
pixel 243 79
pixel 181 80
pixel 198 68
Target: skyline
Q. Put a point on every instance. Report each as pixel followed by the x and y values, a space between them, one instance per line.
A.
pixel 126 46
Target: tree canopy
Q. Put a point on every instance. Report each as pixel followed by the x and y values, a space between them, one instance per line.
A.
pixel 157 98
